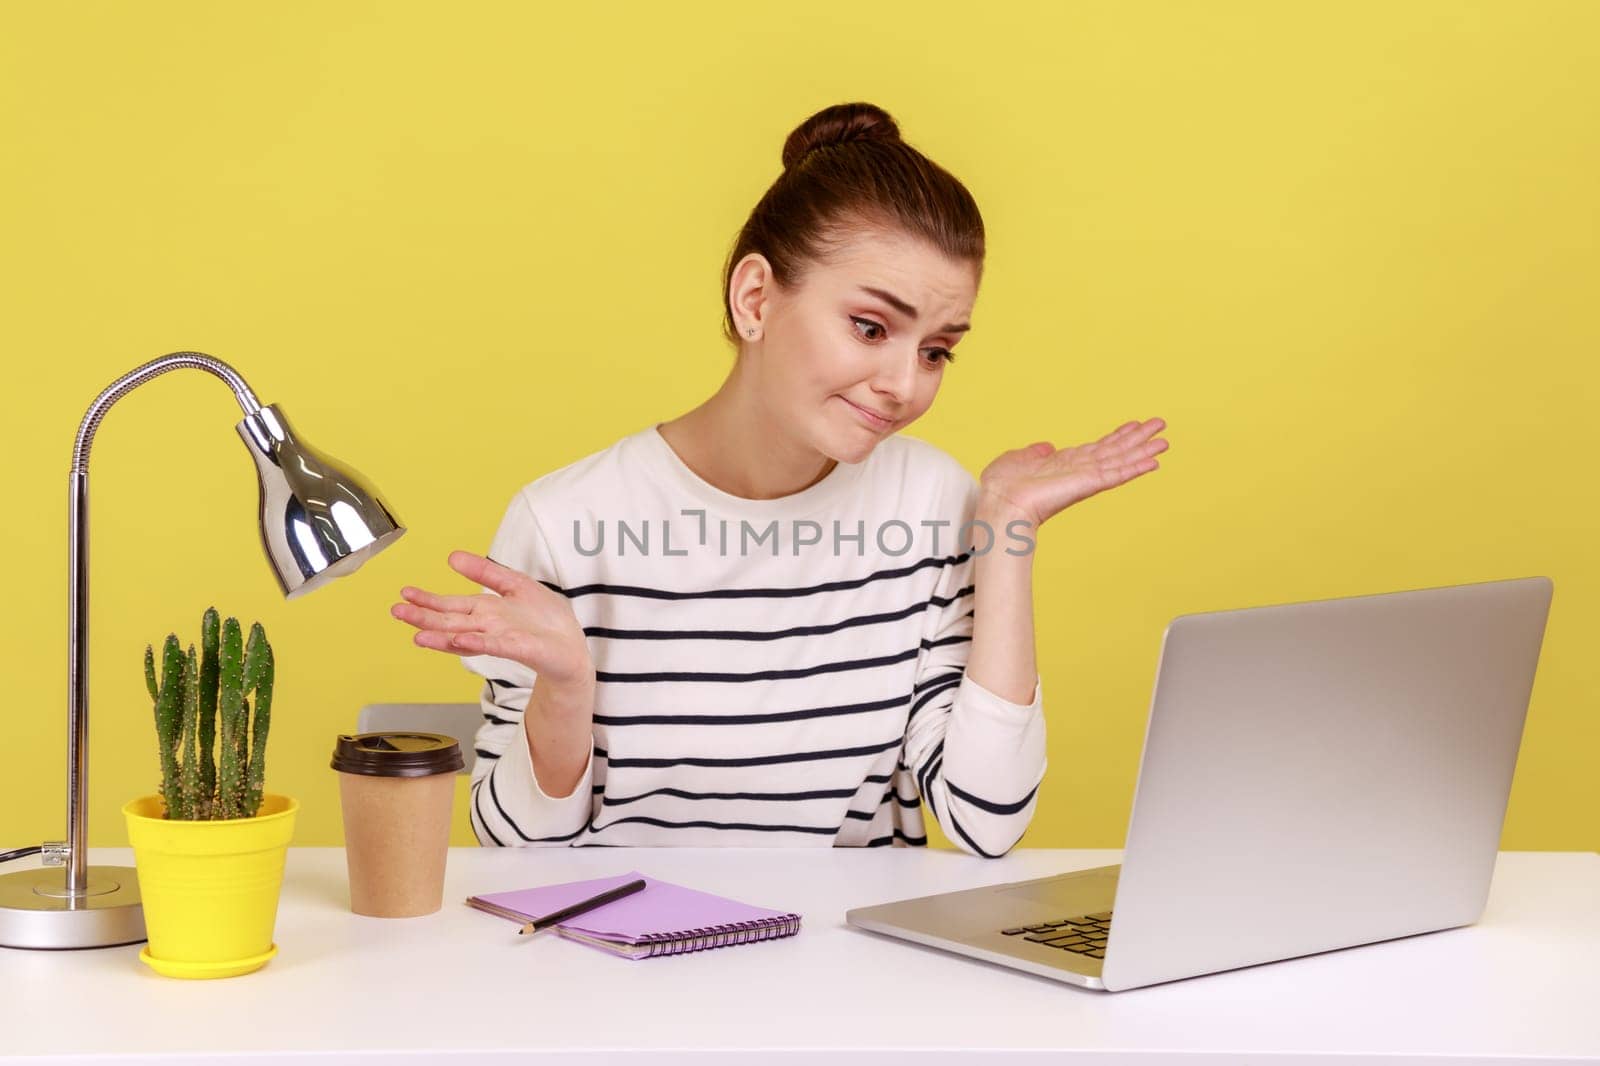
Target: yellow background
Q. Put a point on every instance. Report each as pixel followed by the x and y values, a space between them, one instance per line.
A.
pixel 1347 251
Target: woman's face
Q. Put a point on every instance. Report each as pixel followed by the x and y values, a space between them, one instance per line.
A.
pixel 866 334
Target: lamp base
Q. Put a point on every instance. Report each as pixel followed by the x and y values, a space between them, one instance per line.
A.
pixel 37 912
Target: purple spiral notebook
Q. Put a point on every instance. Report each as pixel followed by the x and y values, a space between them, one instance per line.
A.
pixel 660 919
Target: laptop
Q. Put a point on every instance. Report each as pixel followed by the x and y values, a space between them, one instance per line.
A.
pixel 1315 776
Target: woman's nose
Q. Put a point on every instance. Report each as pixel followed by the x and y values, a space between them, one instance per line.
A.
pixel 896 378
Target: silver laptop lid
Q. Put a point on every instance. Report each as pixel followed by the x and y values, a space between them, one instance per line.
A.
pixel 1323 774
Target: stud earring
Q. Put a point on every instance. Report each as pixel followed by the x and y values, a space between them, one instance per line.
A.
pixel 751 332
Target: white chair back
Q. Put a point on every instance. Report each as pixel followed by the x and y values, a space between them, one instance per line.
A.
pixel 459 720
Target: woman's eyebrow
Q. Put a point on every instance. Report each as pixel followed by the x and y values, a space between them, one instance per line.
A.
pixel 906 309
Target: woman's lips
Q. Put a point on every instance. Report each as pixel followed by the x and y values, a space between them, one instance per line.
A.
pixel 869 418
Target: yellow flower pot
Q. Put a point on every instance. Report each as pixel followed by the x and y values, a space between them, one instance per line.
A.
pixel 209 888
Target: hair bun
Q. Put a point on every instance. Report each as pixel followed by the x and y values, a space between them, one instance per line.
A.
pixel 837 125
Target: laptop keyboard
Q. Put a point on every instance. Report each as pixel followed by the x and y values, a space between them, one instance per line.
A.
pixel 1084 935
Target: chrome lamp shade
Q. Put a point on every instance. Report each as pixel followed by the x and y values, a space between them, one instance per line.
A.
pixel 319 519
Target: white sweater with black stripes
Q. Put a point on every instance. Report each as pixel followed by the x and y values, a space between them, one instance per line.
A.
pixel 771 673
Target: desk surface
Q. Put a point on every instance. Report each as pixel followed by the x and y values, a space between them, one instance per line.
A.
pixel 461 985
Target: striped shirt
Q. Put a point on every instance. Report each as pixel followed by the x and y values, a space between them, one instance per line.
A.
pixel 770 673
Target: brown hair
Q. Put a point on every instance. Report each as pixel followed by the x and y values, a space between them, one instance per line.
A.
pixel 846 167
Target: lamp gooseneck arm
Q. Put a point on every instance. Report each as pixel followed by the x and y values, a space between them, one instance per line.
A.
pixel 77 858
pixel 141 374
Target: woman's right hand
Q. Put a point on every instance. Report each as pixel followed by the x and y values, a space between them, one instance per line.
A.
pixel 526 622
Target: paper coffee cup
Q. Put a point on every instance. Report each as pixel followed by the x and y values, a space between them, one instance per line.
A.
pixel 397 794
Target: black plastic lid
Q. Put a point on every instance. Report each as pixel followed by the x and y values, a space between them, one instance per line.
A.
pixel 397 753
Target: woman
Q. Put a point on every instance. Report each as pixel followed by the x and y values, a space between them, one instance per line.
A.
pixel 775 620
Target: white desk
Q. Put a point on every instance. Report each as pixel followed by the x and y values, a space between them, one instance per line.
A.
pixel 461 986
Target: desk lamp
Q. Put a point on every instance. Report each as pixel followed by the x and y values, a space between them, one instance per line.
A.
pixel 319 520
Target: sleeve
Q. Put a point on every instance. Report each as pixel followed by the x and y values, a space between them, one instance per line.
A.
pixel 507 806
pixel 978 759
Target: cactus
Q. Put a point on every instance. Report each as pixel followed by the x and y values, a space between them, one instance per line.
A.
pixel 258 677
pixel 210 630
pixel 189 772
pixel 241 753
pixel 168 709
pixel 205 697
pixel 230 710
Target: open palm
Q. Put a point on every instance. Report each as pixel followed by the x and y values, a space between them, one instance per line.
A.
pixel 519 619
pixel 1039 481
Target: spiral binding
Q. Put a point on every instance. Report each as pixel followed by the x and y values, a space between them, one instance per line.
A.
pixel 719 936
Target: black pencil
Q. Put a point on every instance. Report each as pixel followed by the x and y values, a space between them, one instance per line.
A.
pixel 582 905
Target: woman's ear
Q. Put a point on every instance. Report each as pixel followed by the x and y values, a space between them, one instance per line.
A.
pixel 749 294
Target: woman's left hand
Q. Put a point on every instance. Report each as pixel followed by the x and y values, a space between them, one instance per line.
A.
pixel 1038 481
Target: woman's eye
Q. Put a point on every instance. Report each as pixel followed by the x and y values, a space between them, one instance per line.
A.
pixel 870 323
pixel 936 355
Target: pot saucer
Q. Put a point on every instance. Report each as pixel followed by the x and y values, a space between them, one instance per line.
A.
pixel 228 968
